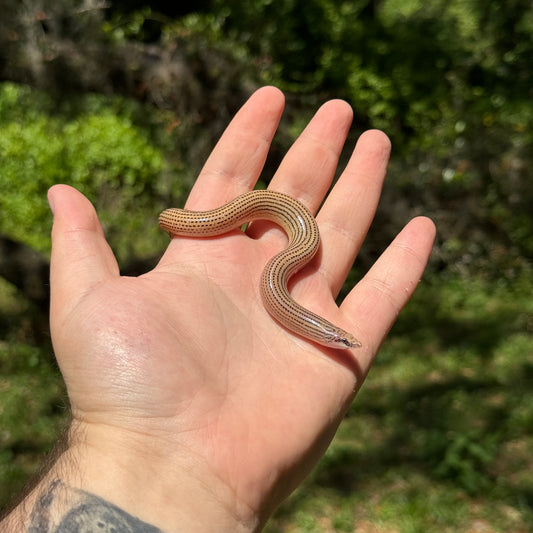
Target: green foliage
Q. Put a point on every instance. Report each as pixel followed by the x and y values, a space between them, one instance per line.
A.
pixel 439 437
pixel 402 64
pixel 33 401
pixel 32 413
pixel 449 81
pixel 96 148
pixel 121 27
pixel 463 459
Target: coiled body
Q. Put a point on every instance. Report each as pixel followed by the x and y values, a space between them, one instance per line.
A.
pixel 304 240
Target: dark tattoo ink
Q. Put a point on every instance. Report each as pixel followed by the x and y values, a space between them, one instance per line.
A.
pixel 63 509
pixel 40 516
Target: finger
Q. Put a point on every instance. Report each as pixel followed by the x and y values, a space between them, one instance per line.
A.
pixel 81 256
pixel 375 302
pixel 308 168
pixel 238 158
pixel 346 215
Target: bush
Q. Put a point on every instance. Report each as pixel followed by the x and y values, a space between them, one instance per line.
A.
pixel 98 149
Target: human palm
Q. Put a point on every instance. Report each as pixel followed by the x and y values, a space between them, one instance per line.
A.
pixel 186 359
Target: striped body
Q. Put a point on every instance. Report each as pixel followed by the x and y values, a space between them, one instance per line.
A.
pixel 304 240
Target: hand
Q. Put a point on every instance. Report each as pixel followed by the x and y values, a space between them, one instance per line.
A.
pixel 181 384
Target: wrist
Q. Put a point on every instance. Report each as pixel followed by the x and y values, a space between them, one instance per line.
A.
pixel 134 480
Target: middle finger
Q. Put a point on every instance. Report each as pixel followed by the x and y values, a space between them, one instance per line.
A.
pixel 308 168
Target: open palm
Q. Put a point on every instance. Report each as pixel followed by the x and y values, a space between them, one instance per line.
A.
pixel 185 361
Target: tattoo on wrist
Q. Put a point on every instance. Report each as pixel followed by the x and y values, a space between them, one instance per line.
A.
pixel 63 509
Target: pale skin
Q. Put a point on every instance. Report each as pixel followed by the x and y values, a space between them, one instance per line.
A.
pixel 192 409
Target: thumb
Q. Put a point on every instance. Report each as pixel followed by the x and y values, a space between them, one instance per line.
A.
pixel 80 256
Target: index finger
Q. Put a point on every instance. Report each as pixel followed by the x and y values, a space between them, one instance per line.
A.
pixel 238 157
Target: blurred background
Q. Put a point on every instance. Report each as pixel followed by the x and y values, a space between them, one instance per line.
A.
pixel 125 99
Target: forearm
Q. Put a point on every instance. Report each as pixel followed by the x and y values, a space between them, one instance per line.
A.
pixel 87 489
pixel 57 507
